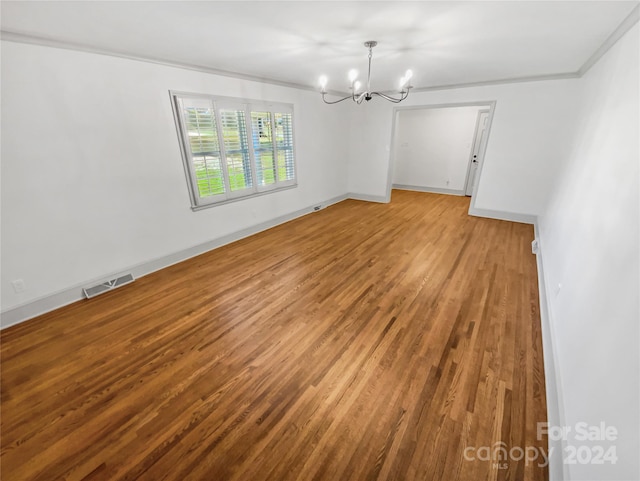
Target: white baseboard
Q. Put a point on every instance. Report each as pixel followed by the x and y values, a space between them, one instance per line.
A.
pixel 434 190
pixel 368 197
pixel 31 309
pixel 496 214
pixel 558 470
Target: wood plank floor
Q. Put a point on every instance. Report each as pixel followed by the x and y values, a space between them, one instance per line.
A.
pixel 365 341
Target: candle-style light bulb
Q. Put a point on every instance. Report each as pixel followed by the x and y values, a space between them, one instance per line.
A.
pixel 323 82
pixel 353 75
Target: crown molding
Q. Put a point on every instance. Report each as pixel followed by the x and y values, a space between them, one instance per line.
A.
pixel 512 80
pixel 617 34
pixel 18 37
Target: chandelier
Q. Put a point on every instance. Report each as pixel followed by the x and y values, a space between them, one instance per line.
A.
pixel 356 95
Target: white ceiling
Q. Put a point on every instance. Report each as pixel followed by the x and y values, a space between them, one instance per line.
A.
pixel 444 43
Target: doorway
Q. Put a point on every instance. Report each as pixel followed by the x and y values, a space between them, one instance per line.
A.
pixel 439 148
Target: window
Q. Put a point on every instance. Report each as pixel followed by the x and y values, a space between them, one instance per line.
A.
pixel 234 148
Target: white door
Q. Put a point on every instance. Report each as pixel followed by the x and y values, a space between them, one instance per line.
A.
pixel 479 139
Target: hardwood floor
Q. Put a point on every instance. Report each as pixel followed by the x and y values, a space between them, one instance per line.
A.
pixel 365 341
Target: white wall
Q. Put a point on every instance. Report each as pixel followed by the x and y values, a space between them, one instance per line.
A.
pixel 529 137
pixel 92 177
pixel 590 241
pixel 369 149
pixel 432 147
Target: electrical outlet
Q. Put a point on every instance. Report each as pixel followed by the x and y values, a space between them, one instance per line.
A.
pixel 535 246
pixel 18 286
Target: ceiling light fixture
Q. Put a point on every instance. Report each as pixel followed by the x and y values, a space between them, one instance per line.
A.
pixel 367 95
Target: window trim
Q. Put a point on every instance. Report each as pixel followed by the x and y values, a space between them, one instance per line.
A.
pixel 247 105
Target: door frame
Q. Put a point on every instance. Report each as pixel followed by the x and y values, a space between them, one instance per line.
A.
pixel 475 136
pixel 489 104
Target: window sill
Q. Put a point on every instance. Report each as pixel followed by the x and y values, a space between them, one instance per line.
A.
pixel 244 197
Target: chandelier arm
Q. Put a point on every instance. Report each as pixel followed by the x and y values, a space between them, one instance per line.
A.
pixel 391 99
pixel 336 101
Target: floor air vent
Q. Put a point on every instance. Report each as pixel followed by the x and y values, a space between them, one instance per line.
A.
pixel 108 286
